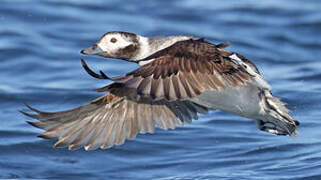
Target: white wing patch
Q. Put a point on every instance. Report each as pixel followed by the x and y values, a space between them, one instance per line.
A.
pixel 237 60
pixel 141 63
pixel 257 77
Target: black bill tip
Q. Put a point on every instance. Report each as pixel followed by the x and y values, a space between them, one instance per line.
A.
pixel 92 50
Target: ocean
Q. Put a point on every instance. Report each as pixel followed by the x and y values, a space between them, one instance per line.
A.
pixel 40 41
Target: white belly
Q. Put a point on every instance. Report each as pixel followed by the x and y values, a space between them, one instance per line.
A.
pixel 243 101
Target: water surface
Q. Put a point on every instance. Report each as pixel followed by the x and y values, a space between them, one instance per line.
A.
pixel 40 64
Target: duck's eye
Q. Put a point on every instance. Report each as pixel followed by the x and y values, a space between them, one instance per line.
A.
pixel 113 40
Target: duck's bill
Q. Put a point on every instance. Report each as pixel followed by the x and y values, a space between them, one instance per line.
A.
pixel 92 50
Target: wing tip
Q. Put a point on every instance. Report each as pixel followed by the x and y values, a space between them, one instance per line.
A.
pixel 34 124
pixel 44 136
pixel 60 144
pixel 73 147
pixel 35 116
pixel 31 108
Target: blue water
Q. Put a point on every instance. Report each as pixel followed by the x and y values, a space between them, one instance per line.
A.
pixel 40 64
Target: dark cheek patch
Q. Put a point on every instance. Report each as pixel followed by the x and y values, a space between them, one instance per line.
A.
pixel 128 51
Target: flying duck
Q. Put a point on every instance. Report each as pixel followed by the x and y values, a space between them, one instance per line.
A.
pixel 179 77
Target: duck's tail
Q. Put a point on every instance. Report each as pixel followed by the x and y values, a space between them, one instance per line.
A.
pixel 276 118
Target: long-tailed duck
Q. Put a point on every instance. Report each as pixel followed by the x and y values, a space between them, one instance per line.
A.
pixel 178 77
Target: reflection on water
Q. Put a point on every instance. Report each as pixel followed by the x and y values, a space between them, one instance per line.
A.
pixel 39 51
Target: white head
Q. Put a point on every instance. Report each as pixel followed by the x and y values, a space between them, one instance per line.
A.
pixel 129 46
pixel 120 45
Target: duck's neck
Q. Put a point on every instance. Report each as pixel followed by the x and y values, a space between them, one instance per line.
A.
pixel 149 46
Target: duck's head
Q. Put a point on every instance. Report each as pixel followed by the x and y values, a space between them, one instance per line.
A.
pixel 119 45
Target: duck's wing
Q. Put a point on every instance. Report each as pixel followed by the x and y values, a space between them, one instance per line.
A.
pixel 185 70
pixel 111 119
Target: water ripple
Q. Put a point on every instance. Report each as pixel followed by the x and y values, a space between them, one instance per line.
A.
pixel 39 52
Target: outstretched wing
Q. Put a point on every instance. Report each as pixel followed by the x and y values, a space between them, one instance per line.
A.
pixel 184 70
pixel 111 119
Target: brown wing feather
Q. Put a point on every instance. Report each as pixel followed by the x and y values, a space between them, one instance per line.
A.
pixel 186 69
pixel 111 119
